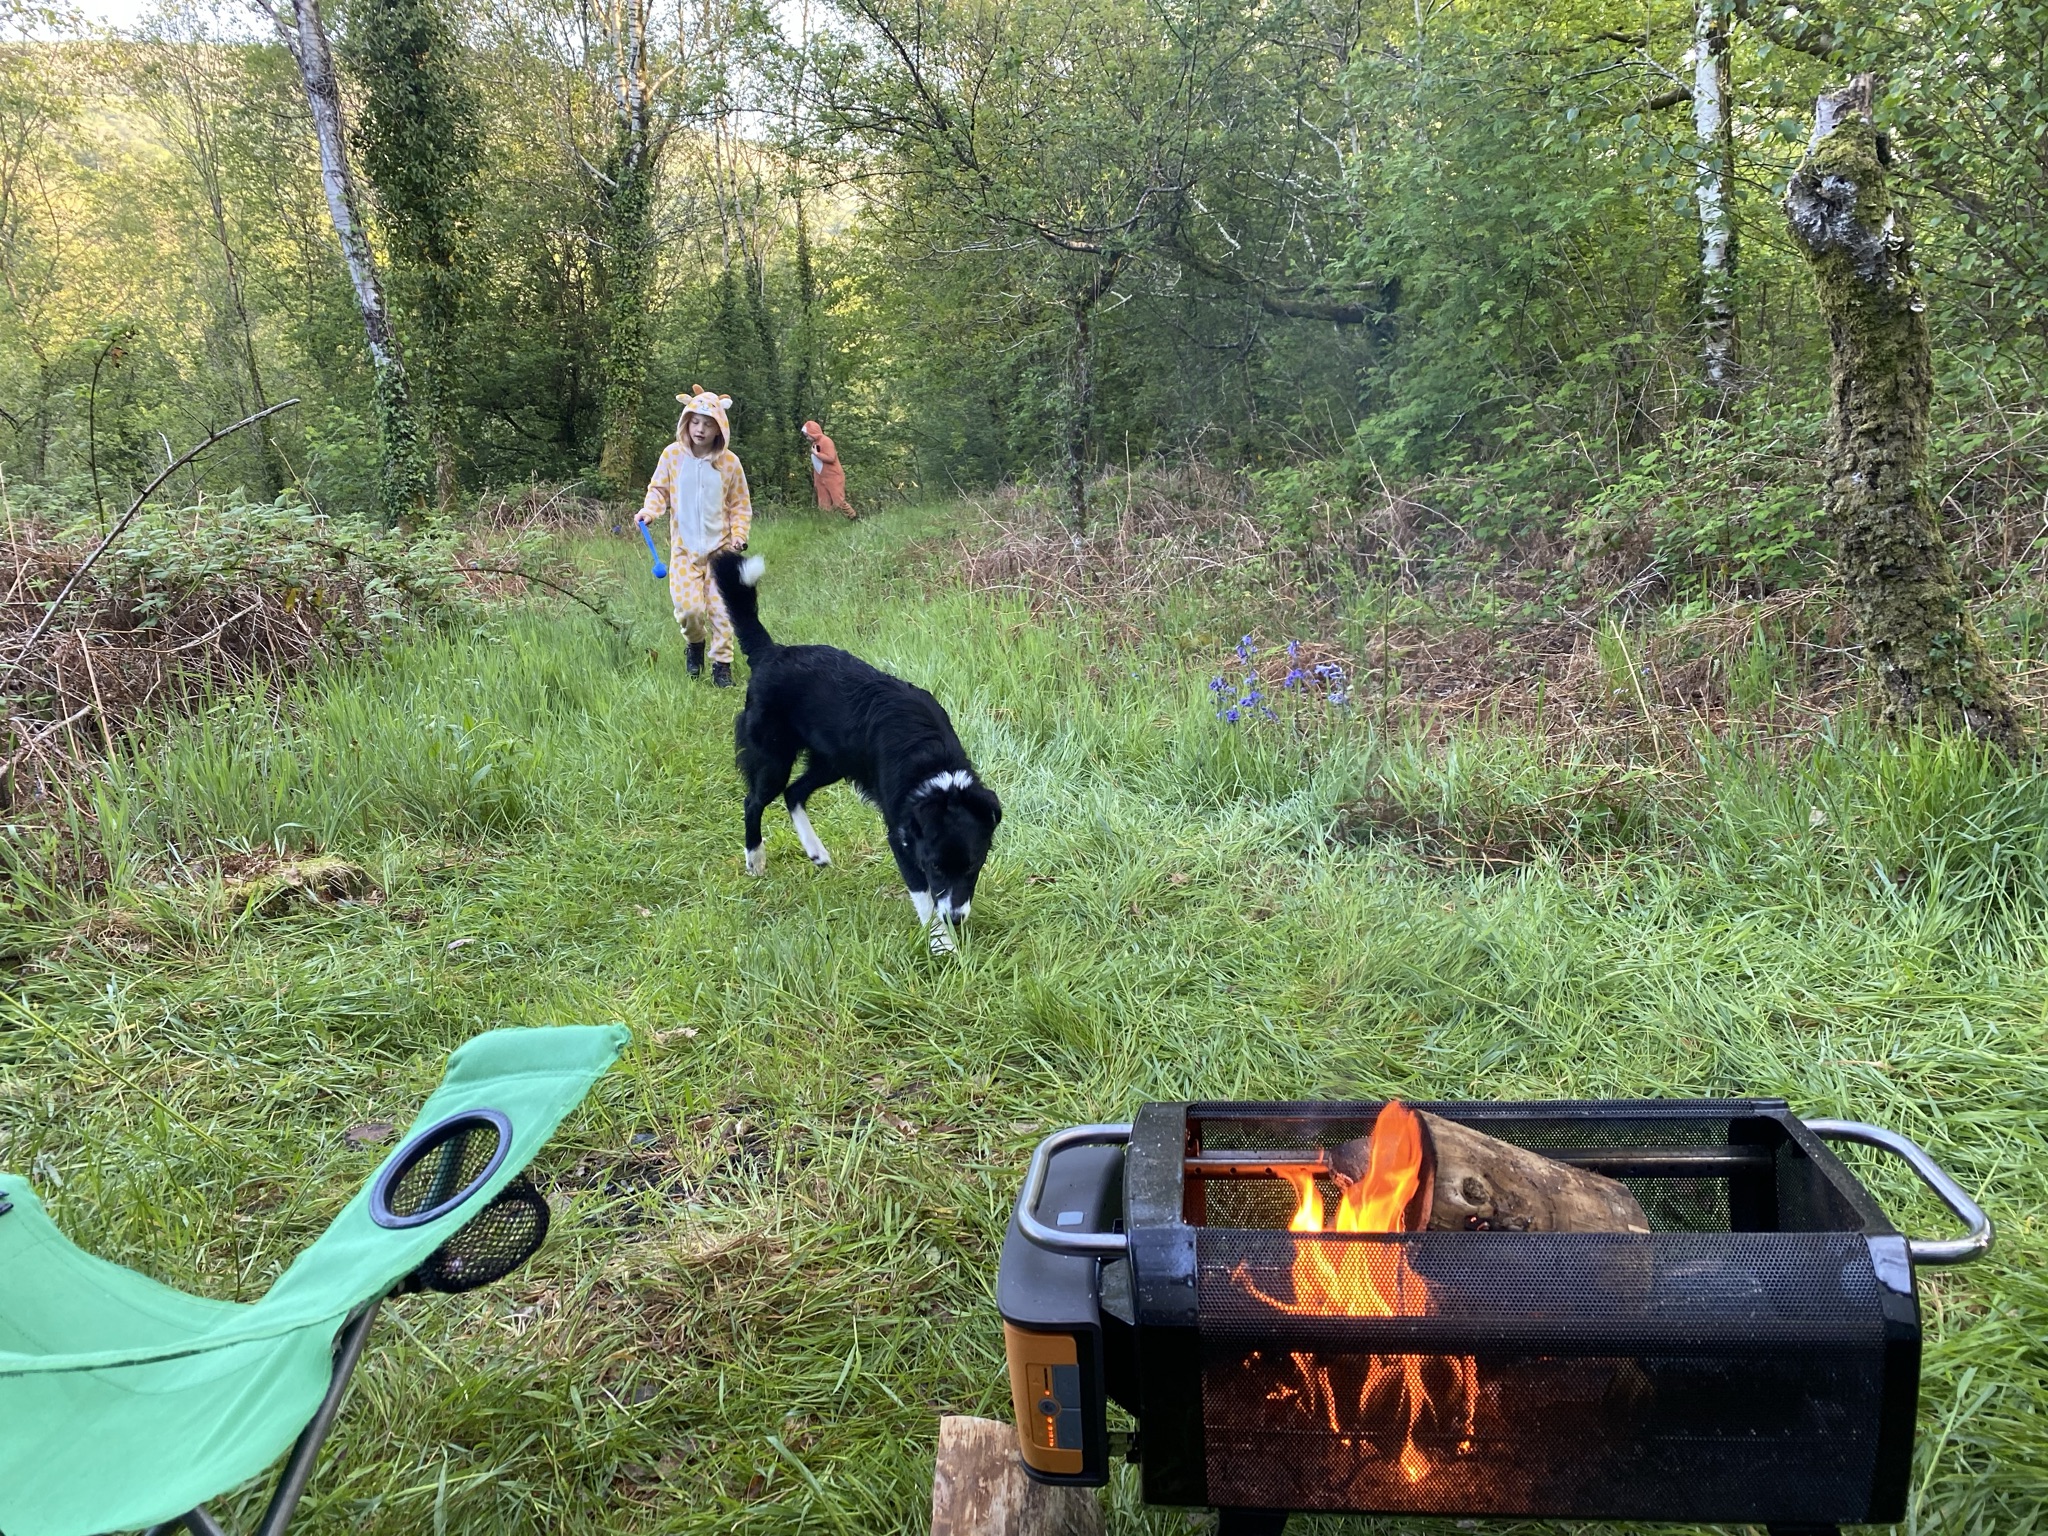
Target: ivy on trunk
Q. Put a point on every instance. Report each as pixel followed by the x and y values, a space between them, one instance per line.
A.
pixel 1902 582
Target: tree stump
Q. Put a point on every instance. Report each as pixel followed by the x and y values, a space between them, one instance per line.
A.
pixel 1902 584
pixel 980 1488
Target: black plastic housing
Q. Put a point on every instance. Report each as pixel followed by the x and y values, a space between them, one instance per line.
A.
pixel 1755 1358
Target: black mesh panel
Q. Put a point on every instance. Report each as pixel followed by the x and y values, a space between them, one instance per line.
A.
pixel 1670 1376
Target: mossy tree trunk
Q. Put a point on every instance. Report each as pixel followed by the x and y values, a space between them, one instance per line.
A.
pixel 1080 424
pixel 419 135
pixel 1904 591
pixel 627 274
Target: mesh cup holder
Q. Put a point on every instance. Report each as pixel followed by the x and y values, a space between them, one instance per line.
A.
pixel 440 1168
pixel 436 1173
pixel 497 1240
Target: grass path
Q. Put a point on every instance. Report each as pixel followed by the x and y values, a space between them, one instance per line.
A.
pixel 776 1258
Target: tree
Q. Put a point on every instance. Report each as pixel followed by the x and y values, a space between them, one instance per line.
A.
pixel 420 138
pixel 190 90
pixel 624 184
pixel 802 351
pixel 34 106
pixel 1901 580
pixel 404 477
pixel 1054 137
pixel 1714 194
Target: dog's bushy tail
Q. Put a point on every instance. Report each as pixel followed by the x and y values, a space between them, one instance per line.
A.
pixel 736 580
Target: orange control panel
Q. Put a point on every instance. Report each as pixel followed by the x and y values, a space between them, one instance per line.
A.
pixel 1045 1390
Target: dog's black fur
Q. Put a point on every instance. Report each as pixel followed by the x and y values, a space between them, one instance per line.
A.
pixel 891 740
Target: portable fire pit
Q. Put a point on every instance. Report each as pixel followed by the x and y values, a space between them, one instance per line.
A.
pixel 1684 1311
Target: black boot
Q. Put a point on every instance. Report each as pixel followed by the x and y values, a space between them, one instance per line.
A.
pixel 721 674
pixel 693 659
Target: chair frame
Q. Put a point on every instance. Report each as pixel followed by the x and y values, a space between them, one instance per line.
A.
pixel 305 1453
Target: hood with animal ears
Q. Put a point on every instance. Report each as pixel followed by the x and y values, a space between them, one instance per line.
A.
pixel 702 402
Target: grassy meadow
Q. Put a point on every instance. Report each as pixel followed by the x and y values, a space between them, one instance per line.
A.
pixel 774 1260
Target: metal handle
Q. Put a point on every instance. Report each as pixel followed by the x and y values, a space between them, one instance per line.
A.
pixel 1924 1250
pixel 1084 1243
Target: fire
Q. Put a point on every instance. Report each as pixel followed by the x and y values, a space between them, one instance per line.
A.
pixel 1368 1280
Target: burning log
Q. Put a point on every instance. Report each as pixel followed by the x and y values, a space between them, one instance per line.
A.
pixel 980 1488
pixel 1472 1182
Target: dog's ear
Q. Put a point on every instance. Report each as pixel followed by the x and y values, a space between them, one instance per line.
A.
pixel 928 814
pixel 982 800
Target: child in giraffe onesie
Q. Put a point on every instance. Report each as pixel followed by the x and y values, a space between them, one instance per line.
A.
pixel 701 489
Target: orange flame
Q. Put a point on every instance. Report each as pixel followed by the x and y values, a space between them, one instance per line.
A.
pixel 1367 1280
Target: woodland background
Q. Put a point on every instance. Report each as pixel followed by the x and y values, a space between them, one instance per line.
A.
pixel 1476 279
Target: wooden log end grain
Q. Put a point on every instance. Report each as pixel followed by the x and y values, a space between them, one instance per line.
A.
pixel 980 1488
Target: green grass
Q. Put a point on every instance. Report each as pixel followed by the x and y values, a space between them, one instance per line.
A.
pixel 775 1262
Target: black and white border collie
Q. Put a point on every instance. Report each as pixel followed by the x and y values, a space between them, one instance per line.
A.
pixel 892 741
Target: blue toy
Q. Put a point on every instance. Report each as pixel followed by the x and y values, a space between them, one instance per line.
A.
pixel 660 567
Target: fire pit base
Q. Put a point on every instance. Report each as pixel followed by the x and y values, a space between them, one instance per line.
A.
pixel 1273 1522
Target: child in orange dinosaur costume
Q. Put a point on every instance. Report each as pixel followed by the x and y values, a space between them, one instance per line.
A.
pixel 828 475
pixel 701 489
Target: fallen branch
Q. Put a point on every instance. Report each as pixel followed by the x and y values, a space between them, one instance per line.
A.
pixel 32 742
pixel 128 517
pixel 552 586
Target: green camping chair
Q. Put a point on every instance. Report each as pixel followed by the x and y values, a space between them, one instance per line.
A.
pixel 125 1403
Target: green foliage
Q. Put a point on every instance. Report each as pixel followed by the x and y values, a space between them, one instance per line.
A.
pixel 735 360
pixel 1718 503
pixel 419 136
pixel 1451 251
pixel 359 584
pixel 420 143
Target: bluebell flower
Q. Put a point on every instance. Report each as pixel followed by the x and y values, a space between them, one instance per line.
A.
pixel 1293 679
pixel 1293 649
pixel 1337 696
pixel 1216 685
pixel 1244 649
pixel 1230 715
pixel 1253 696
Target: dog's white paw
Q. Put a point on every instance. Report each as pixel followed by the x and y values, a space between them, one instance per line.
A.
pixel 757 860
pixel 807 835
pixel 942 940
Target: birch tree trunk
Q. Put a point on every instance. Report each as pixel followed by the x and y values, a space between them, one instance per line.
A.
pixel 1714 189
pixel 1902 583
pixel 403 468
